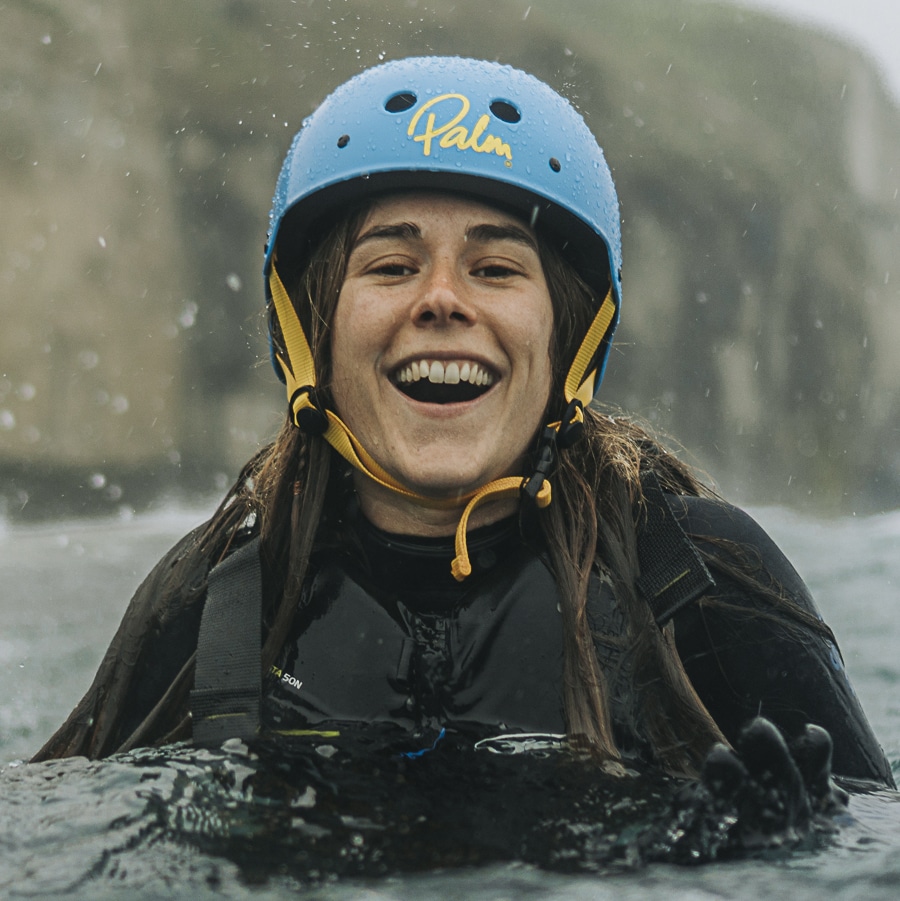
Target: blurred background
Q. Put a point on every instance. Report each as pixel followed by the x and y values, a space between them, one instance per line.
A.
pixel 758 166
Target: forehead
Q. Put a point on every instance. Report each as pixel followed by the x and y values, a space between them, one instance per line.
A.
pixel 439 209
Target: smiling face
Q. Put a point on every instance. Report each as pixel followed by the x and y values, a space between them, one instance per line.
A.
pixel 441 348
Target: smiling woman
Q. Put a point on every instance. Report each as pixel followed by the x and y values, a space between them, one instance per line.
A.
pixel 450 287
pixel 447 534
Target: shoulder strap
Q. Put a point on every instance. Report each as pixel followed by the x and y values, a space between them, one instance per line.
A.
pixel 672 571
pixel 226 695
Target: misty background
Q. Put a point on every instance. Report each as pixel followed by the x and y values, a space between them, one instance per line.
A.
pixel 758 168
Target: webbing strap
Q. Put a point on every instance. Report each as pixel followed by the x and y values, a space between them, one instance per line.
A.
pixel 672 571
pixel 595 334
pixel 225 699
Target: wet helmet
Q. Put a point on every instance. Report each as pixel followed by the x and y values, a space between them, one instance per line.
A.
pixel 480 128
pixel 444 123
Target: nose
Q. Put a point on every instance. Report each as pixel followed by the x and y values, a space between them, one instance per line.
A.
pixel 444 299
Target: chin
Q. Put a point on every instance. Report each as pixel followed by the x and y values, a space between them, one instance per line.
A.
pixel 451 465
pixel 442 480
pixel 452 484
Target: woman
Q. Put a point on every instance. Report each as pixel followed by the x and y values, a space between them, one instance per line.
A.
pixel 443 535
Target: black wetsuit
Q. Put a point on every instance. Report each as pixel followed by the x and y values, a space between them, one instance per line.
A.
pixel 386 635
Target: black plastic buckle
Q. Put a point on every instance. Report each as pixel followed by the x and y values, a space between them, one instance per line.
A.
pixel 546 459
pixel 571 429
pixel 310 420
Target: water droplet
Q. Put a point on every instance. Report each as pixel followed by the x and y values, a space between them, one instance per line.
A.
pixel 88 359
pixel 188 315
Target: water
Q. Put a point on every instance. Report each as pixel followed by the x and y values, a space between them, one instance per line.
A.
pixel 354 820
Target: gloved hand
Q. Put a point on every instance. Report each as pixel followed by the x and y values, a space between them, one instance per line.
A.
pixel 775 791
pixel 763 795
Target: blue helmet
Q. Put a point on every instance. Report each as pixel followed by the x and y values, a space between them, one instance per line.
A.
pixel 480 128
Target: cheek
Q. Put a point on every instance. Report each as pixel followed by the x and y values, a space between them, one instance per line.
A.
pixel 542 365
pixel 350 333
pixel 361 328
pixel 536 330
pixel 343 353
pixel 359 336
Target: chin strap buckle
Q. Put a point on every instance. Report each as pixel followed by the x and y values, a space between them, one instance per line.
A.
pixel 555 437
pixel 537 487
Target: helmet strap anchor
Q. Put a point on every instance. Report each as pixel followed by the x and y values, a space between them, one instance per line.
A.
pixel 309 418
pixel 571 427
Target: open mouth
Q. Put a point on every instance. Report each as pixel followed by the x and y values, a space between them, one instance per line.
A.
pixel 443 382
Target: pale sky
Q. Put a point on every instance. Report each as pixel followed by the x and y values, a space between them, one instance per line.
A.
pixel 872 24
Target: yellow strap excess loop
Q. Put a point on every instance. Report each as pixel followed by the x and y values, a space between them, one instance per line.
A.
pixel 501 488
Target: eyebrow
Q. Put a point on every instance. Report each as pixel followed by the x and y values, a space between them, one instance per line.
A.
pixel 489 232
pixel 405 230
pixel 482 233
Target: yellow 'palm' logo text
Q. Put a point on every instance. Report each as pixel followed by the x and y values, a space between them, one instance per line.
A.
pixel 452 134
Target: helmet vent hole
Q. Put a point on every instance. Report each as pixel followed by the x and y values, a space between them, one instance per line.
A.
pixel 554 164
pixel 343 141
pixel 401 102
pixel 505 111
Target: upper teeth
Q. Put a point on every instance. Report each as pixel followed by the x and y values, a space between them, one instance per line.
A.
pixel 445 373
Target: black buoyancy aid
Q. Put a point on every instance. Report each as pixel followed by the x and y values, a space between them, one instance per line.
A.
pixel 228 684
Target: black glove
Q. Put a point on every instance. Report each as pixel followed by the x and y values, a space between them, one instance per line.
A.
pixel 762 796
pixel 775 791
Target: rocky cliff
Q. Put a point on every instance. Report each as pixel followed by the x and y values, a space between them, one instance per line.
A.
pixel 758 167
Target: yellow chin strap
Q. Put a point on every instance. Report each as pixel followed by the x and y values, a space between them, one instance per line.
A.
pixel 300 378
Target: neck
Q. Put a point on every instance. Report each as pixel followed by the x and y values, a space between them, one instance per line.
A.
pixel 394 513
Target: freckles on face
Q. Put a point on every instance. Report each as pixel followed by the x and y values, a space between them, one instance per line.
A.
pixel 440 341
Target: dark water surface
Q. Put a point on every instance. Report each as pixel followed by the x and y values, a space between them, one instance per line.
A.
pixel 350 817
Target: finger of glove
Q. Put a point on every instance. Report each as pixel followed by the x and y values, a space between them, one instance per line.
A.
pixel 723 773
pixel 765 753
pixel 775 797
pixel 811 751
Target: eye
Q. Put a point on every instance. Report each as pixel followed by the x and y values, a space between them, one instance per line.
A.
pixel 392 270
pixel 495 271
